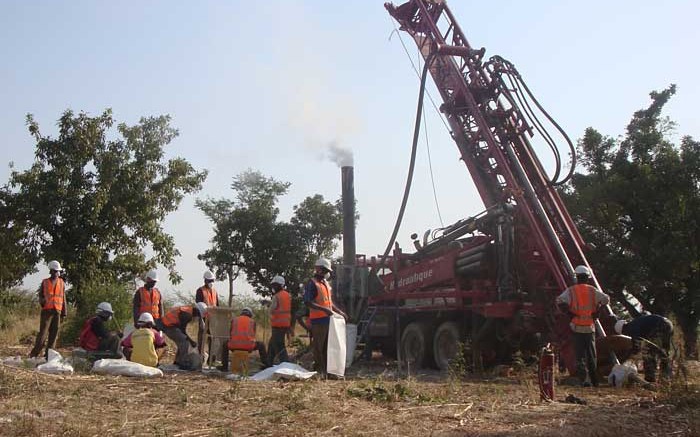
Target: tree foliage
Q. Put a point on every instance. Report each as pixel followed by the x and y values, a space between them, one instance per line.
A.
pixel 250 238
pixel 638 204
pixel 95 199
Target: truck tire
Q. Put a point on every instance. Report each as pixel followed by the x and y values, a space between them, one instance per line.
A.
pixel 446 344
pixel 415 345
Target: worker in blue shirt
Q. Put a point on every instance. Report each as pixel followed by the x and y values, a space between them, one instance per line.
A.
pixel 319 300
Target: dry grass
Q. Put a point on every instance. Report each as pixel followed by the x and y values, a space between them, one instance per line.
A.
pixel 191 404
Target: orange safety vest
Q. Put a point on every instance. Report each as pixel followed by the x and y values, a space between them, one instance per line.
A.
pixel 242 337
pixel 209 295
pixel 172 318
pixel 281 317
pixel 149 302
pixel 88 339
pixel 54 294
pixel 323 298
pixel 582 305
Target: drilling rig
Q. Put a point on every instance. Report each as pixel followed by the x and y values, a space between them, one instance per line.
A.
pixel 486 284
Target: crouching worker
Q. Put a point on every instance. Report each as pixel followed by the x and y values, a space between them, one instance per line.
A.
pixel 175 324
pixel 144 345
pixel 242 342
pixel 652 335
pixel 96 339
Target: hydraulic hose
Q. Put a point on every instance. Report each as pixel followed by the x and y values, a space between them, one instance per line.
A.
pixel 412 165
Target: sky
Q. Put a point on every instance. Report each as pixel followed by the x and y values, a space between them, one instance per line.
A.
pixel 270 85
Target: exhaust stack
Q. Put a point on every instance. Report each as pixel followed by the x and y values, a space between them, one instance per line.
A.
pixel 348 186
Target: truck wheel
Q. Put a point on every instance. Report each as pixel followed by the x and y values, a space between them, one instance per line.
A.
pixel 446 344
pixel 414 345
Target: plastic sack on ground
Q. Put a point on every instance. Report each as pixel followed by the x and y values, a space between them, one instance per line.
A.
pixel 18 361
pixel 622 373
pixel 350 343
pixel 335 363
pixel 111 366
pixel 281 371
pixel 55 364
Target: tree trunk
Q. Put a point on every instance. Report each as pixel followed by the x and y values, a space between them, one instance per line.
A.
pixel 689 326
pixel 230 290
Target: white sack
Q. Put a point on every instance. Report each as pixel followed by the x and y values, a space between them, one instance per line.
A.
pixel 621 374
pixel 111 366
pixel 350 343
pixel 335 363
pixel 18 361
pixel 55 364
pixel 281 371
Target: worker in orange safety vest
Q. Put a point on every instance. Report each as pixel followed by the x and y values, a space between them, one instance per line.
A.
pixel 280 320
pixel 52 298
pixel 318 298
pixel 175 324
pixel 582 302
pixel 242 338
pixel 147 299
pixel 208 295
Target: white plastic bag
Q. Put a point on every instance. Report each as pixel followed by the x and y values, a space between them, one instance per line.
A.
pixel 622 373
pixel 335 363
pixel 18 361
pixel 350 343
pixel 55 364
pixel 281 371
pixel 111 366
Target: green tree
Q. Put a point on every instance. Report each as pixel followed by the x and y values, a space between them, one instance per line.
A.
pixel 96 198
pixel 249 237
pixel 18 249
pixel 637 205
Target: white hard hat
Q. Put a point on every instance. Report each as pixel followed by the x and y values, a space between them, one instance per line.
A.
pixel 583 270
pixel 278 280
pixel 54 265
pixel 152 275
pixel 105 307
pixel 323 262
pixel 619 325
pixel 202 308
pixel 247 311
pixel 146 318
pixel 209 276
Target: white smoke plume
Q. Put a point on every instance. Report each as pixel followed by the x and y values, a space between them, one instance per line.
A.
pixel 340 155
pixel 326 117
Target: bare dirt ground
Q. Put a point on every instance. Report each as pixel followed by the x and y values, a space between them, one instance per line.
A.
pixel 370 401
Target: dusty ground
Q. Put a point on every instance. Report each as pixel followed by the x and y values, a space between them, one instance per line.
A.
pixel 371 401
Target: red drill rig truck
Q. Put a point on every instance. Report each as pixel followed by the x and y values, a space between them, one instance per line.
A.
pixel 487 282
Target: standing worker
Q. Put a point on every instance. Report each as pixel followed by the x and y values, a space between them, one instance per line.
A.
pixel 147 299
pixel 175 327
pixel 657 331
pixel 280 320
pixel 144 345
pixel 208 295
pixel 582 302
pixel 95 337
pixel 318 298
pixel 242 341
pixel 52 298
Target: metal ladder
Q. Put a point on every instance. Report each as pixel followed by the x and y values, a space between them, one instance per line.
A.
pixel 364 323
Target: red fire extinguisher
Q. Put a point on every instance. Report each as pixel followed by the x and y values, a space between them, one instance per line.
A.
pixel 545 373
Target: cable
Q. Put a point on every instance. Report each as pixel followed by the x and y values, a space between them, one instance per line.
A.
pixel 412 165
pixel 405 49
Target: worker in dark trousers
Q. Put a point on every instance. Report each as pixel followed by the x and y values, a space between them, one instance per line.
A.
pixel 280 320
pixel 652 334
pixel 96 339
pixel 175 324
pixel 582 302
pixel 52 298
